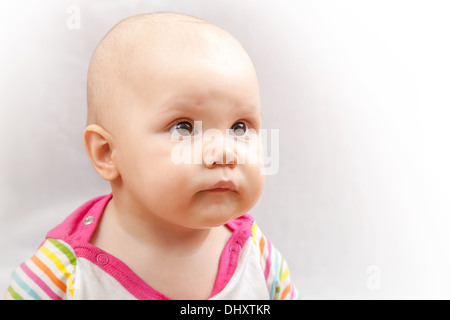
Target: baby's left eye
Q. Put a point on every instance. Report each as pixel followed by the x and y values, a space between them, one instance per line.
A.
pixel 239 128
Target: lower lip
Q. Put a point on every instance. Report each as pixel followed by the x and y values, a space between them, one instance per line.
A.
pixel 219 190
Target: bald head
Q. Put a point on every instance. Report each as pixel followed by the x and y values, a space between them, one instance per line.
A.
pixel 148 45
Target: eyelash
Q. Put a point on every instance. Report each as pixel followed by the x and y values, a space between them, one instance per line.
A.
pixel 248 124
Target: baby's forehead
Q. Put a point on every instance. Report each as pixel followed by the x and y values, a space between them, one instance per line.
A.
pixel 209 107
pixel 200 86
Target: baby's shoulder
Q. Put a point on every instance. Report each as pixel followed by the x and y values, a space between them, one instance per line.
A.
pixel 48 274
pixel 273 266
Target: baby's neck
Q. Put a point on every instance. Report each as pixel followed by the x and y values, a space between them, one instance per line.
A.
pixel 148 232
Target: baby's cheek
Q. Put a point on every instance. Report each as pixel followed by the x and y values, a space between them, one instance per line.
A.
pixel 250 149
pixel 256 179
pixel 172 181
pixel 250 154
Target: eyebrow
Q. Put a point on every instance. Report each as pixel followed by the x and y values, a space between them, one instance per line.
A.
pixel 180 107
pixel 189 107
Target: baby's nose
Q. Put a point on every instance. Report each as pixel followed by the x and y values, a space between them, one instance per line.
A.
pixel 219 153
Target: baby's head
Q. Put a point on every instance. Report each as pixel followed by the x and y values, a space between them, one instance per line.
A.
pixel 149 79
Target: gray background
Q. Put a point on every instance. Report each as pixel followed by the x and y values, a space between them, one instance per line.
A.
pixel 358 89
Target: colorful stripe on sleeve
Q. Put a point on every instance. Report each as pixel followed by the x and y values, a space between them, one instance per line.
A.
pixel 274 267
pixel 49 274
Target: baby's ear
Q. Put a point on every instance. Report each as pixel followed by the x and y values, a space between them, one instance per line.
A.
pixel 98 144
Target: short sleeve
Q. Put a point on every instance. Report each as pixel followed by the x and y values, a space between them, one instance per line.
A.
pixel 275 268
pixel 48 275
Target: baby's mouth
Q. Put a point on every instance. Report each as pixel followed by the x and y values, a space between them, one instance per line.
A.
pixel 222 186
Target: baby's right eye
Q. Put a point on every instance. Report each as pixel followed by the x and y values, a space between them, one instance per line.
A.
pixel 183 128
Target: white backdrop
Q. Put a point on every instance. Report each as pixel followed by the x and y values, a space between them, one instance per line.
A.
pixel 358 89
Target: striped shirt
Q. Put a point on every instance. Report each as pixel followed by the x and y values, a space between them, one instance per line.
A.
pixel 67 266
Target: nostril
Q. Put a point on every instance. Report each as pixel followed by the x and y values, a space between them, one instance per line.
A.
pixel 233 160
pixel 214 155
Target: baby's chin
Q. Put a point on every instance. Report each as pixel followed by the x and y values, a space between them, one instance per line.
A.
pixel 216 213
pixel 213 219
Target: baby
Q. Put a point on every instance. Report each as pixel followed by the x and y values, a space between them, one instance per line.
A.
pixel 168 230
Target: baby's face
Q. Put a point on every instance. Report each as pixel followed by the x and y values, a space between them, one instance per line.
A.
pixel 164 95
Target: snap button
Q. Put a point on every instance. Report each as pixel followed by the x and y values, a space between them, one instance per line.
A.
pixel 102 259
pixel 235 247
pixel 88 220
